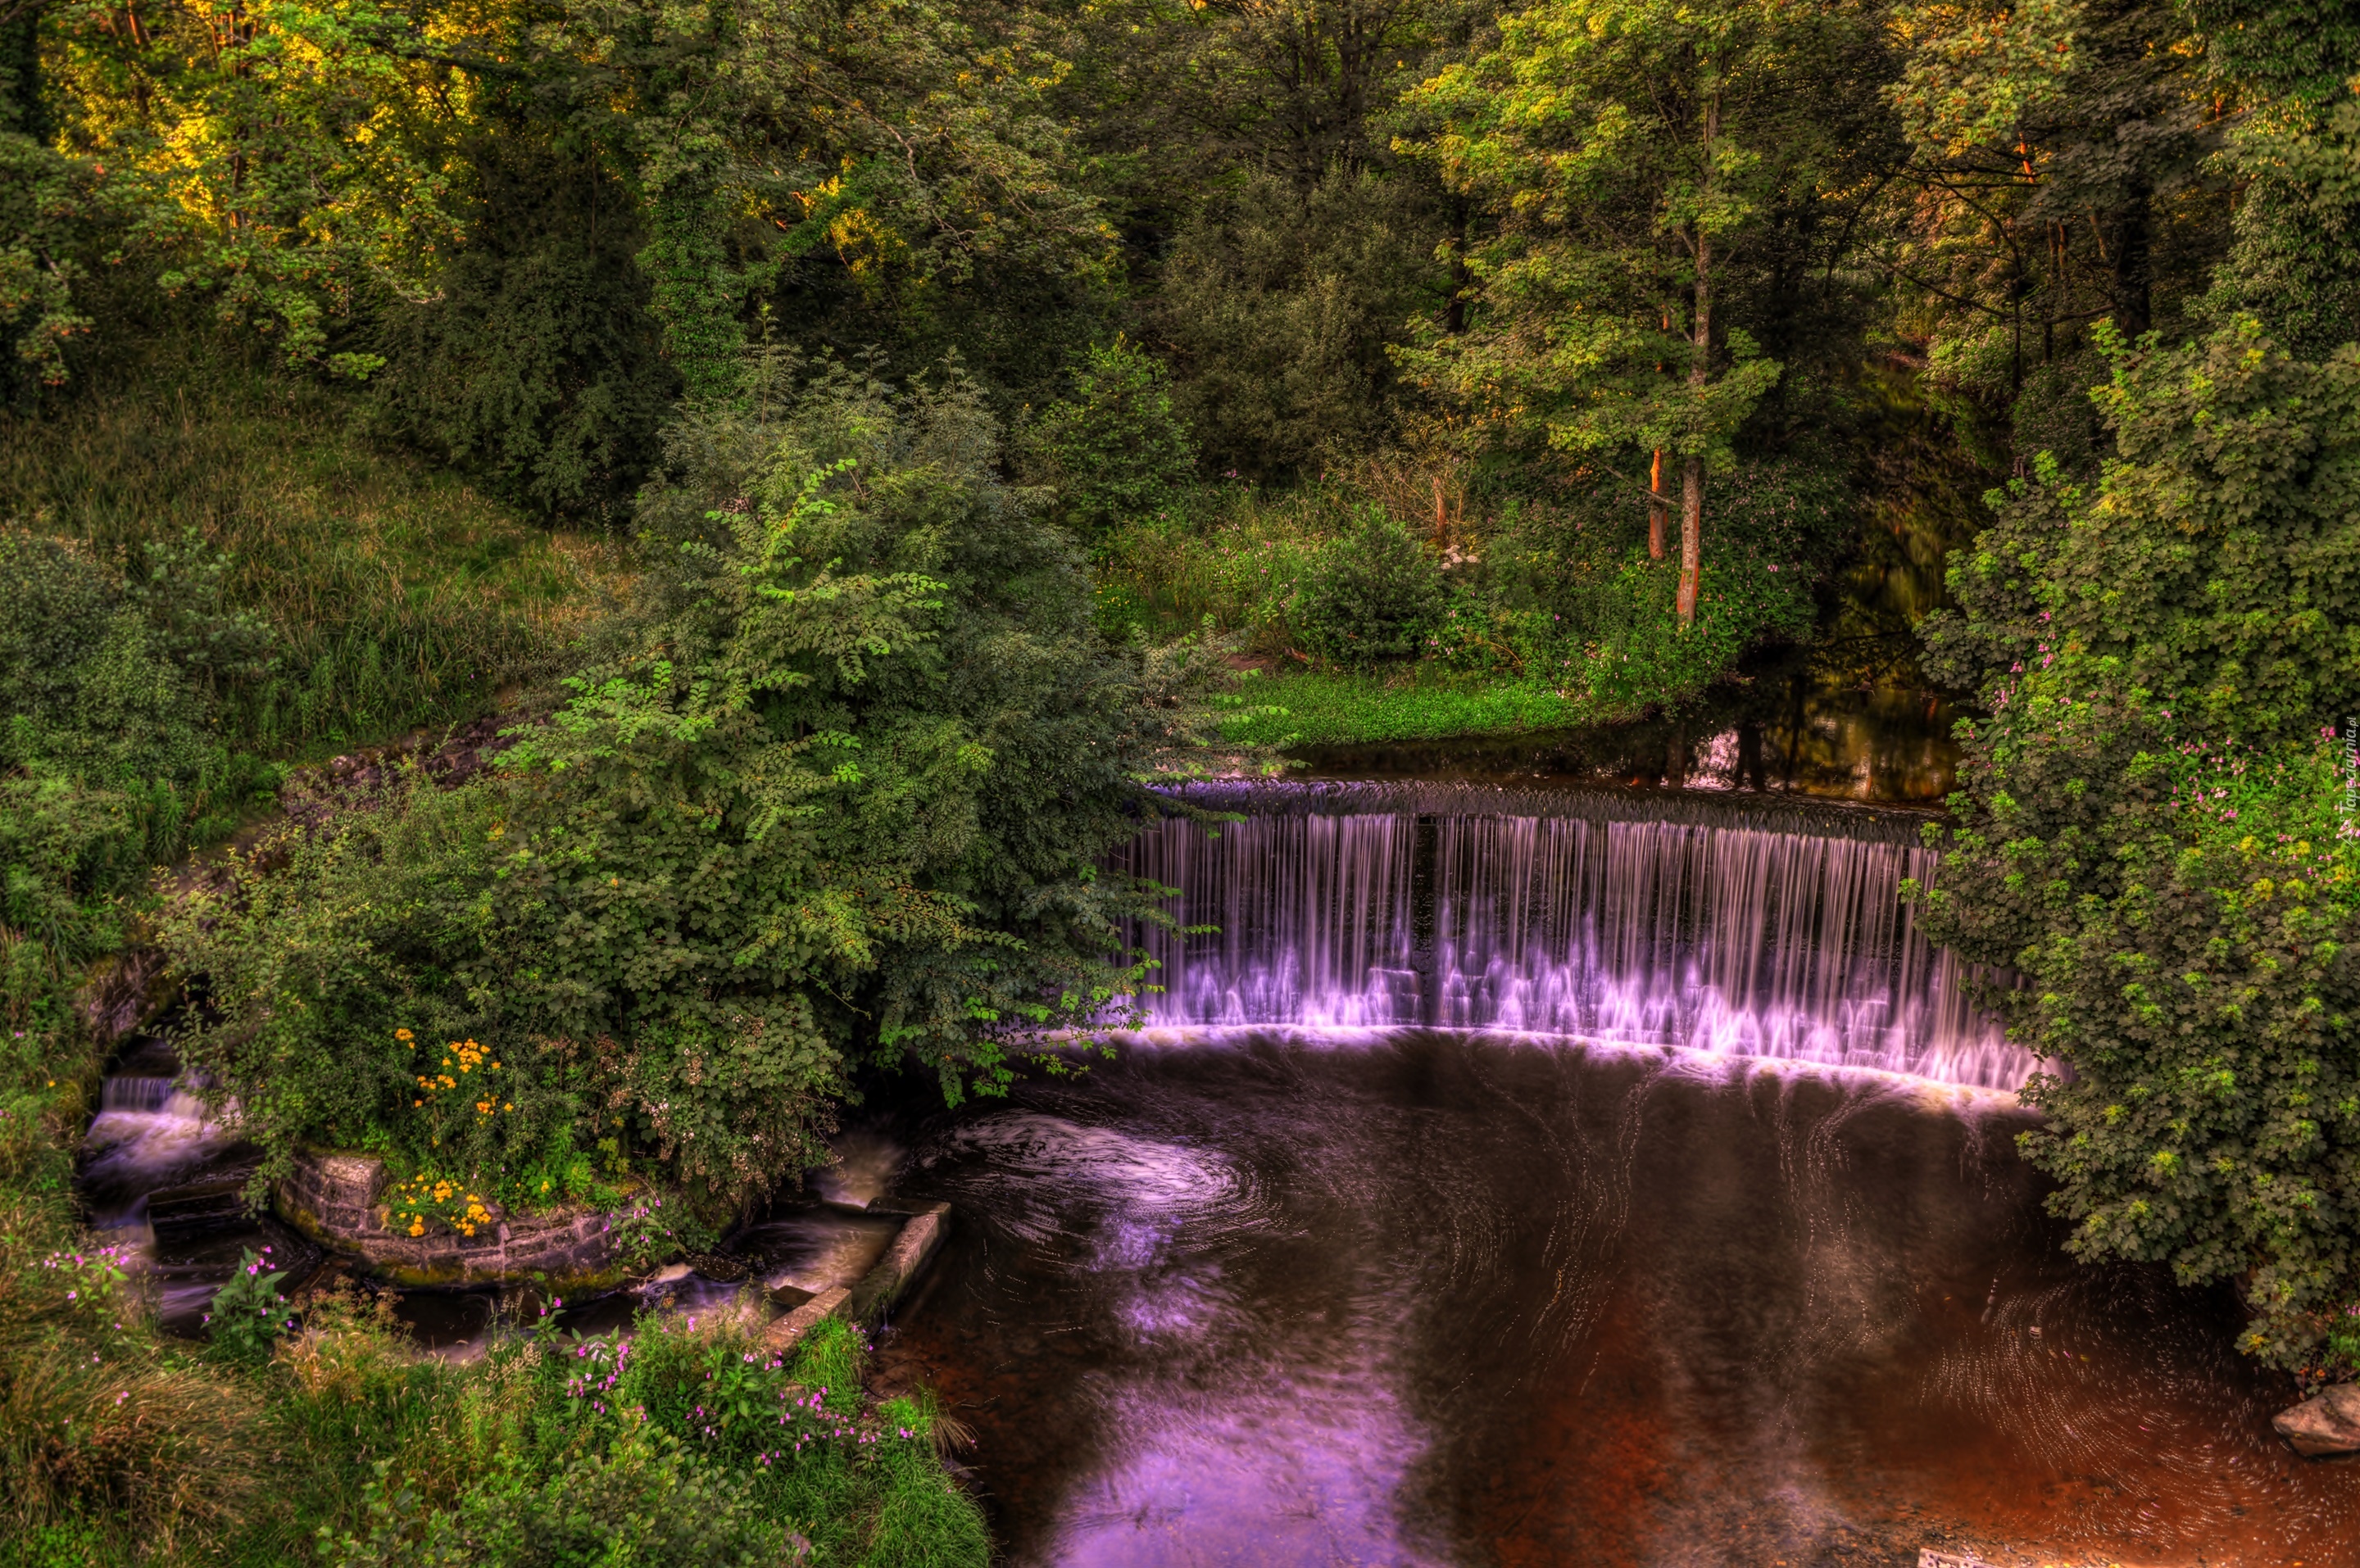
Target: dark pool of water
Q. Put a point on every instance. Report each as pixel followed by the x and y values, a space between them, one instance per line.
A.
pixel 1410 1296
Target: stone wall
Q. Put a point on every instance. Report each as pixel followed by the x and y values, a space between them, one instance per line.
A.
pixel 335 1199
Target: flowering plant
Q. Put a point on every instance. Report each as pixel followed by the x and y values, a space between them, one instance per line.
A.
pixel 248 1313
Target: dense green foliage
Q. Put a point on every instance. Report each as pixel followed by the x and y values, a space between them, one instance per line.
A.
pixel 133 676
pixel 1372 340
pixel 2155 813
pixel 2155 829
pixel 1115 449
pixel 833 793
pixel 333 1440
pixel 667 1446
pixel 1567 272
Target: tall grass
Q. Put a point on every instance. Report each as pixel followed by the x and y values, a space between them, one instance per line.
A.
pixel 403 595
pixel 1244 556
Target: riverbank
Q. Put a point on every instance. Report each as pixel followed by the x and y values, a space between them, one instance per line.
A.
pixel 1306 708
pixel 205 590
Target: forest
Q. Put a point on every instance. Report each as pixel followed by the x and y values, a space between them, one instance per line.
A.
pixel 798 474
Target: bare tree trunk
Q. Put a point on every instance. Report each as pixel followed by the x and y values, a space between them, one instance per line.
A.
pixel 1700 367
pixel 1691 537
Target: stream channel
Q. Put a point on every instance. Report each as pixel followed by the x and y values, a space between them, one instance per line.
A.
pixel 1507 1175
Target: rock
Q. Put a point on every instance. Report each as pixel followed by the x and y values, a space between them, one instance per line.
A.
pixel 2326 1423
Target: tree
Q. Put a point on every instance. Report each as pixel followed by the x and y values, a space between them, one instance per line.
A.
pixel 2154 828
pixel 1631 155
pixel 835 793
pixel 1114 451
pixel 294 161
pixel 2290 71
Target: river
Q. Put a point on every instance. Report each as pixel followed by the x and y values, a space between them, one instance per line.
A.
pixel 1509 1175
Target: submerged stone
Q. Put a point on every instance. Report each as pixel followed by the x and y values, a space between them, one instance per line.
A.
pixel 2326 1423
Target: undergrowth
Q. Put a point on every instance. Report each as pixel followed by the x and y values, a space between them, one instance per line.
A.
pixel 1386 622
pixel 401 594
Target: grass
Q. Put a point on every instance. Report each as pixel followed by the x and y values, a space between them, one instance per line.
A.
pixel 403 595
pixel 1419 701
pixel 1539 614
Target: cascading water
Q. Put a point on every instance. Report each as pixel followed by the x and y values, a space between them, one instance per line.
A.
pixel 1756 930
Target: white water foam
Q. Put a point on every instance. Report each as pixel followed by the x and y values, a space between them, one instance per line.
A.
pixel 1736 940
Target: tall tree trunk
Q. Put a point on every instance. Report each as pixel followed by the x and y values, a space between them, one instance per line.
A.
pixel 1454 311
pixel 2133 289
pixel 1691 537
pixel 1658 513
pixel 1700 367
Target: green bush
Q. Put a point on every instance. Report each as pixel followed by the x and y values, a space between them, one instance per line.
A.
pixel 2154 825
pixel 249 1314
pixel 1281 305
pixel 834 791
pixel 1114 451
pixel 535 365
pixel 1376 594
pixel 636 1499
pixel 117 675
pixel 674 1443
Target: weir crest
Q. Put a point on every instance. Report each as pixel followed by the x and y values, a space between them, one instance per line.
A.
pixel 1747 927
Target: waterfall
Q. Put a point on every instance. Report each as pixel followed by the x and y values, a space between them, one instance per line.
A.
pixel 1755 929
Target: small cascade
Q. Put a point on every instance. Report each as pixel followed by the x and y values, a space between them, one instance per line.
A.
pixel 148 1132
pixel 1735 930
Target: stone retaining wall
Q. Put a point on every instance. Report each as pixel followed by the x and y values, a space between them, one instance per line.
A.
pixel 334 1199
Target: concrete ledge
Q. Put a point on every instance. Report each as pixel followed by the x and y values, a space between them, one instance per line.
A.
pixel 784 1332
pixel 920 1237
pixel 333 1200
pixel 922 1233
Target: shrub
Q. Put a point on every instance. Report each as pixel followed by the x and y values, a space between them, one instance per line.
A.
pixel 536 364
pixel 2153 824
pixel 1281 305
pixel 115 677
pixel 1375 595
pixel 637 1497
pixel 833 789
pixel 1114 450
pixel 249 1314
